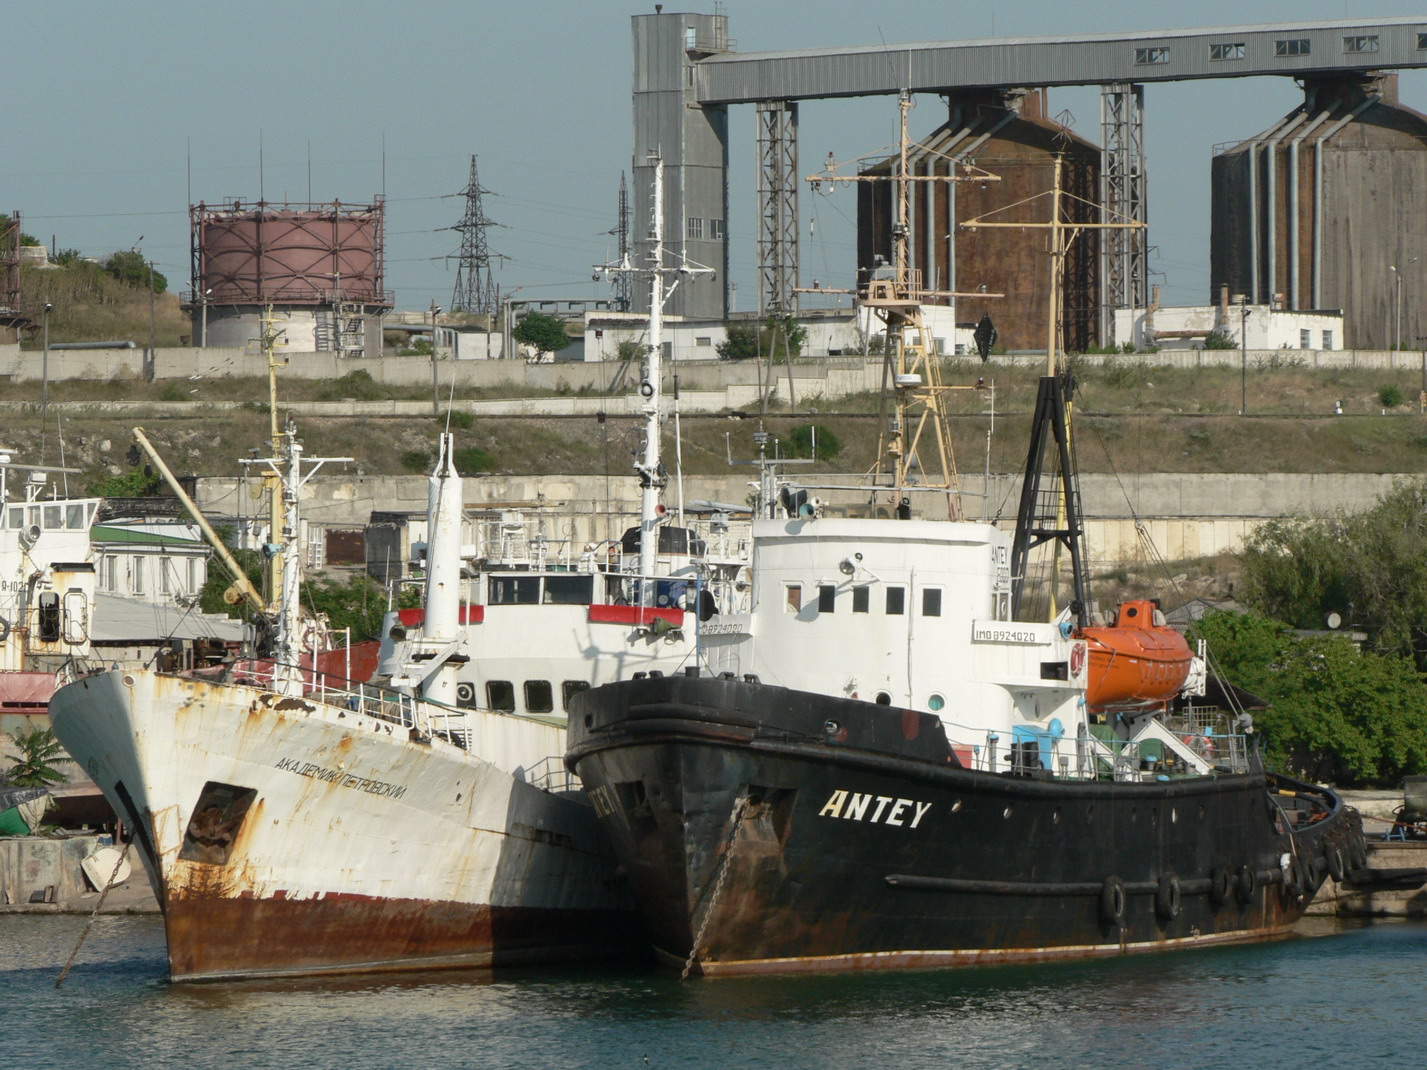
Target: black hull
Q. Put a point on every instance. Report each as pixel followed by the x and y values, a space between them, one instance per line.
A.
pixel 750 820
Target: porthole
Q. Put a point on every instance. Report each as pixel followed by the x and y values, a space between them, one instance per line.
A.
pixel 936 703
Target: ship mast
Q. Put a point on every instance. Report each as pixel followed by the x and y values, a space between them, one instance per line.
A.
pixel 652 476
pixel 912 362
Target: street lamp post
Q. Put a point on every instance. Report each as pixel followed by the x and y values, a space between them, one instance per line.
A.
pixel 1397 302
pixel 435 388
pixel 1244 354
pixel 45 379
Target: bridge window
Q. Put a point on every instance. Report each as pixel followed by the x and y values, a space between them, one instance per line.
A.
pixel 1155 54
pixel 931 601
pixel 1361 43
pixel 793 597
pixel 571 688
pixel 1296 46
pixel 514 590
pixel 572 590
pixel 500 695
pixel 1232 50
pixel 539 696
pixel 896 601
pixel 861 598
pixel 827 598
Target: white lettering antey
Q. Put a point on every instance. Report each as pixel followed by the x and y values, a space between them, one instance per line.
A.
pixel 922 809
pixel 895 817
pixel 857 807
pixel 882 801
pixel 833 807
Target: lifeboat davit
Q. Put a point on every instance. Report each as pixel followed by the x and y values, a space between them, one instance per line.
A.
pixel 1137 663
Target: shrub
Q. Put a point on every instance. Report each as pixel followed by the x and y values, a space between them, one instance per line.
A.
pixel 418 460
pixel 1390 396
pixel 1219 339
pixel 472 459
pixel 462 420
pixel 805 436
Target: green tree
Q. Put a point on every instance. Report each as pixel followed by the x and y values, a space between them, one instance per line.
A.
pixel 32 769
pixel 130 266
pixel 358 603
pixel 544 334
pixel 771 339
pixel 1368 568
pixel 807 436
pixel 140 483
pixel 1337 714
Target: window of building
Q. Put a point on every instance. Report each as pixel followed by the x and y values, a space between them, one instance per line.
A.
pixel 1228 50
pixel 539 696
pixel 861 599
pixel 827 598
pixel 896 601
pixel 793 597
pixel 1327 339
pixel 1154 54
pixel 111 572
pixel 1422 40
pixel 931 601
pixel 1296 46
pixel 1305 338
pixel 500 695
pixel 1360 43
pixel 703 340
pixel 54 518
pixel 570 688
pixel 136 575
pixel 716 229
pixel 696 228
pixel 165 576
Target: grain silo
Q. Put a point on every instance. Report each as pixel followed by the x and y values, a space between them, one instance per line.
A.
pixel 1009 135
pixel 318 266
pixel 1324 210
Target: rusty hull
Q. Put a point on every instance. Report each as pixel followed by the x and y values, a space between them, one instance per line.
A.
pixel 728 804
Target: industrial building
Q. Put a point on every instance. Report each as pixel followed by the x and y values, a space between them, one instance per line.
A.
pixel 319 267
pixel 687 75
pixel 1323 210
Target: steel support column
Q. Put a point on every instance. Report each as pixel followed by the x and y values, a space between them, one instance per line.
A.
pixel 778 207
pixel 1124 270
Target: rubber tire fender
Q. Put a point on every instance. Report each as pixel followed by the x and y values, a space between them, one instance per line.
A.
pixel 1112 902
pixel 1221 886
pixel 1333 854
pixel 4 629
pixel 1167 898
pixel 1246 884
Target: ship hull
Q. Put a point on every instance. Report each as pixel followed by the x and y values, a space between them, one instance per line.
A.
pixel 768 830
pixel 291 836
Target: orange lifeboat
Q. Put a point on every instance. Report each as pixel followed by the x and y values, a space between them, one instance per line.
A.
pixel 1137 663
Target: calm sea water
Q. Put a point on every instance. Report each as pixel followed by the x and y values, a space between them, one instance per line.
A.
pixel 1332 997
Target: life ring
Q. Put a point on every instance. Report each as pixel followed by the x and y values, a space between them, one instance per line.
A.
pixel 1221 886
pixel 1167 900
pixel 1334 857
pixel 1246 885
pixel 4 629
pixel 1112 902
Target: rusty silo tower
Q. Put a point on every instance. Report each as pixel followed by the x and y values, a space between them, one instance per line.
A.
pixel 322 265
pixel 1009 135
pixel 1324 210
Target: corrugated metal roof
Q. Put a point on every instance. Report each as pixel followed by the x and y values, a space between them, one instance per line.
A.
pixel 130 620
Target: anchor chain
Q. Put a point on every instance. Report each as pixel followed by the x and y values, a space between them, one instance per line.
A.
pixel 737 819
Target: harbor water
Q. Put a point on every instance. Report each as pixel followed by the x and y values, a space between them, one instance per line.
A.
pixel 1333 996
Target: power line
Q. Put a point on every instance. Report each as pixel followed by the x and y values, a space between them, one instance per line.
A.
pixel 475 290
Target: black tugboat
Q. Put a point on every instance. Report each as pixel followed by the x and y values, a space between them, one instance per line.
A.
pixel 881 766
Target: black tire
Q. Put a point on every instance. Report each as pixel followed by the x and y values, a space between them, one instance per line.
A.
pixel 1333 855
pixel 1167 898
pixel 1246 885
pixel 1221 886
pixel 1112 902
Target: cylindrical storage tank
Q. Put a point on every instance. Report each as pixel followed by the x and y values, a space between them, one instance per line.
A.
pixel 1008 135
pixel 1318 211
pixel 288 254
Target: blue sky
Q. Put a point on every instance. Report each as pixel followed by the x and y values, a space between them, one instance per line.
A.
pixel 119 115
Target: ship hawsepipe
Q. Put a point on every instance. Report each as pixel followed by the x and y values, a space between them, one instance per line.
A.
pixel 765 829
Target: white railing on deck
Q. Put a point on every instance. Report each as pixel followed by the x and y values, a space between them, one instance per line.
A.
pixel 1092 758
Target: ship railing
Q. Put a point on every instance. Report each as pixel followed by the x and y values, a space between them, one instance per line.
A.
pixel 551 774
pixel 1091 757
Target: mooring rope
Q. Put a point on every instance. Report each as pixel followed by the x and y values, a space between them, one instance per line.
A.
pixel 97 907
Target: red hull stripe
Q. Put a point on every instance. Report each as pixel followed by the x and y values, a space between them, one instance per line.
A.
pixel 602 614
